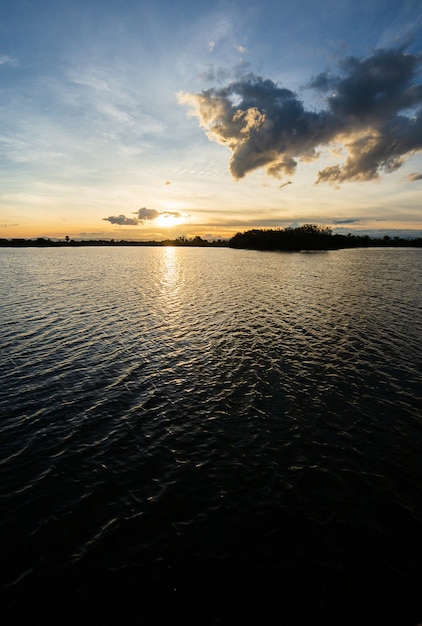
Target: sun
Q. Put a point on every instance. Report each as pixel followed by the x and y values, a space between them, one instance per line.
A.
pixel 167 220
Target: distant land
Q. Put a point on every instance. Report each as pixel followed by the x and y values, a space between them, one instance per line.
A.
pixel 45 242
pixel 314 237
pixel 306 237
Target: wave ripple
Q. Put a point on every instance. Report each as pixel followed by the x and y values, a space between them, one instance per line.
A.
pixel 211 435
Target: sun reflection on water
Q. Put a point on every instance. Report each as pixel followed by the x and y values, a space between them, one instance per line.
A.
pixel 170 278
pixel 170 266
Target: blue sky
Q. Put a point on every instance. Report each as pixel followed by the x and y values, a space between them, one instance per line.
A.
pixel 155 119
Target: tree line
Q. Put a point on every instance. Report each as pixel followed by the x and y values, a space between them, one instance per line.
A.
pixel 306 237
pixel 45 242
pixel 312 237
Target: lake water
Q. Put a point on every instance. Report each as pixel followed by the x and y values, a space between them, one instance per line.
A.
pixel 211 436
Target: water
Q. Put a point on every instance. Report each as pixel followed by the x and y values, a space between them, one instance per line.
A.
pixel 211 436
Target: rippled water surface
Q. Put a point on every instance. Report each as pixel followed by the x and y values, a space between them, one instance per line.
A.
pixel 211 436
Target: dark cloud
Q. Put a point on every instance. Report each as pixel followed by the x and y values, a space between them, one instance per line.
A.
pixel 414 177
pixel 122 220
pixel 351 220
pixel 142 215
pixel 373 109
pixel 147 214
pixel 373 89
pixel 151 214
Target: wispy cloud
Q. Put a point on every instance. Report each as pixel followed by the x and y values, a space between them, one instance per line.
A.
pixel 110 103
pixel 373 110
pixel 350 220
pixel 6 60
pixel 414 177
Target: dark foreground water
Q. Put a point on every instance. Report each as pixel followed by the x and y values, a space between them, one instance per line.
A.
pixel 211 436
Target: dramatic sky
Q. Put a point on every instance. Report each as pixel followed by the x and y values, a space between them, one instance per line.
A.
pixel 153 119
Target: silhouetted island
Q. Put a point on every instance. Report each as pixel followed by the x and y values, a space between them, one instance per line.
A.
pixel 312 237
pixel 307 237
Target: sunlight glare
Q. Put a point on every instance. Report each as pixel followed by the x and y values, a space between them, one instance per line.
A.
pixel 167 220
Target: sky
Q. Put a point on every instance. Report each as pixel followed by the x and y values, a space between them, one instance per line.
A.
pixel 154 119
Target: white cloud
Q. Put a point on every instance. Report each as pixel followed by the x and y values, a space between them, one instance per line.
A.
pixel 6 60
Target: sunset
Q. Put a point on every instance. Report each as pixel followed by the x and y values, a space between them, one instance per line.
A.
pixel 210 118
pixel 211 304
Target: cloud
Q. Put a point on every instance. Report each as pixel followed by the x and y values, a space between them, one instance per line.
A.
pixel 351 220
pixel 414 177
pixel 373 110
pixel 171 214
pixel 6 60
pixel 147 214
pixel 151 214
pixel 142 215
pixel 122 220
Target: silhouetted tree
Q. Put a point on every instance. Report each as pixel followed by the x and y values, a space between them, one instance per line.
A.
pixel 307 237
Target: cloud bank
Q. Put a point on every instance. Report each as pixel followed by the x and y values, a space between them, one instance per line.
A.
pixel 373 110
pixel 142 215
